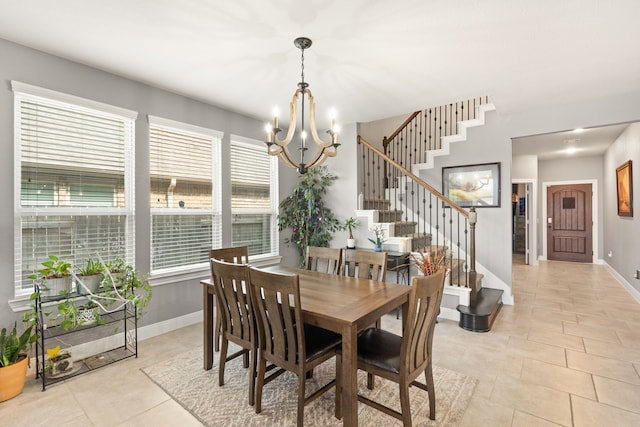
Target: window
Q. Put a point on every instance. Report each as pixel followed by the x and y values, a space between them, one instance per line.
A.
pixel 185 194
pixel 254 196
pixel 74 164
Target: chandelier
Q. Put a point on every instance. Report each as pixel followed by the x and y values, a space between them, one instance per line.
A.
pixel 280 147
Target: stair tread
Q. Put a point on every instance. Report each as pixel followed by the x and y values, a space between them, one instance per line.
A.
pixel 487 300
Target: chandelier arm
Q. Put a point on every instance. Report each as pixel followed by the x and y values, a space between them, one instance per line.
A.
pixel 322 155
pixel 312 123
pixel 285 157
pixel 293 111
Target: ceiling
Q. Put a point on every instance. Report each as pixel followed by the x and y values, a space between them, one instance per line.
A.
pixel 576 143
pixel 370 59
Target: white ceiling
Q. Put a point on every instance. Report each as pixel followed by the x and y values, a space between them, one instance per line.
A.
pixel 370 59
pixel 573 143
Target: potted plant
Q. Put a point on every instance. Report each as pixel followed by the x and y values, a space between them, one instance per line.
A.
pixel 14 359
pixel 88 314
pixel 55 276
pixel 349 224
pixel 304 212
pixel 126 282
pixel 89 277
pixel 59 362
pixel 379 238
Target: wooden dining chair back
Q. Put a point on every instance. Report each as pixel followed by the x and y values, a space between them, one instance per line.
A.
pixel 231 282
pixel 402 359
pixel 284 340
pixel 324 260
pixel 232 254
pixel 364 264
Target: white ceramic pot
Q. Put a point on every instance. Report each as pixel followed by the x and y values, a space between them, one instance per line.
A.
pixel 351 243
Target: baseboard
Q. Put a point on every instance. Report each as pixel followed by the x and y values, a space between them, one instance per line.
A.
pixel 632 291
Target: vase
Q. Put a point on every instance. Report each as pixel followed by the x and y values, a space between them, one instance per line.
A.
pixel 377 248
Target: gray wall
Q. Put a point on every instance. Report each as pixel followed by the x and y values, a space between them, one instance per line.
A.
pixel 622 234
pixel 47 71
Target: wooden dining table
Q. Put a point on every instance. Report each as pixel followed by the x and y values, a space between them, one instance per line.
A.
pixel 345 305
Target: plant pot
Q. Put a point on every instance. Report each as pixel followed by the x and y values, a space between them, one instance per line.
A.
pixel 12 379
pixel 351 243
pixel 89 284
pixel 86 316
pixel 55 285
pixel 377 248
pixel 60 366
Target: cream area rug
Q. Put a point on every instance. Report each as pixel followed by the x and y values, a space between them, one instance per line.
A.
pixel 197 390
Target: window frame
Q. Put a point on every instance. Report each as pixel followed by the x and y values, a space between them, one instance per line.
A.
pixel 22 92
pixel 273 198
pixel 215 211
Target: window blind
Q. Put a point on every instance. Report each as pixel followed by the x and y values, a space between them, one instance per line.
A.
pixel 74 192
pixel 185 192
pixel 253 197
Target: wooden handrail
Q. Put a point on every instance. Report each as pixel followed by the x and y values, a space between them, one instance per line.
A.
pixel 416 178
pixel 386 139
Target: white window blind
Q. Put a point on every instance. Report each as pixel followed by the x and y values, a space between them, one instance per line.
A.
pixel 254 197
pixel 73 169
pixel 185 194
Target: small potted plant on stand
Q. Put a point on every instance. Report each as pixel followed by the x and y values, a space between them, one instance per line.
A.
pixel 379 238
pixel 14 360
pixel 55 276
pixel 349 224
pixel 89 277
pixel 59 362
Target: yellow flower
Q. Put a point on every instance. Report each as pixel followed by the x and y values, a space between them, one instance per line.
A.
pixel 53 352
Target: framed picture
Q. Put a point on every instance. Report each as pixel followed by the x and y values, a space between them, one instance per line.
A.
pixel 625 189
pixel 473 185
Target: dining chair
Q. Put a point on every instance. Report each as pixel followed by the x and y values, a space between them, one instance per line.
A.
pixel 325 260
pixel 402 359
pixel 237 320
pixel 364 264
pixel 284 339
pixel 233 254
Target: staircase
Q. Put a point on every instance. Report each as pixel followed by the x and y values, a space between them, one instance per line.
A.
pixel 418 218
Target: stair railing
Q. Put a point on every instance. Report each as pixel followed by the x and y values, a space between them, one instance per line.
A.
pixel 439 220
pixel 423 130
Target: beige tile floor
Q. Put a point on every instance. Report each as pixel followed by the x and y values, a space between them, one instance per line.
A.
pixel 567 353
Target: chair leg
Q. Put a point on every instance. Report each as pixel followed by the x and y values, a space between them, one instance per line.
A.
pixel 262 367
pixel 301 393
pixel 252 377
pixel 428 373
pixel 223 361
pixel 405 408
pixel 371 381
pixel 338 404
pixel 245 359
pixel 216 333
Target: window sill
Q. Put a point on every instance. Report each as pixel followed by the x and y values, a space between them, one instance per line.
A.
pixel 204 272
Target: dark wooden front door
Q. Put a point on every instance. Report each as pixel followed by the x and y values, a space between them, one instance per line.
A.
pixel 569 224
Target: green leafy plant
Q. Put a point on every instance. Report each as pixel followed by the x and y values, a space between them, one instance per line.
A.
pixel 349 224
pixel 53 267
pixel 13 346
pixel 305 214
pixel 92 267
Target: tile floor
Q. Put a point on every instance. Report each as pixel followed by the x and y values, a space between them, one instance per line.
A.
pixel 567 353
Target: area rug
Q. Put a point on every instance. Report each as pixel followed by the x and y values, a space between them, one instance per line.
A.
pixel 197 390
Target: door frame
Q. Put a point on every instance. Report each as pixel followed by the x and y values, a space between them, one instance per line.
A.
pixel 594 215
pixel 532 226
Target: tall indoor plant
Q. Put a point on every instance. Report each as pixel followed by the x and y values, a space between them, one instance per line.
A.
pixel 305 214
